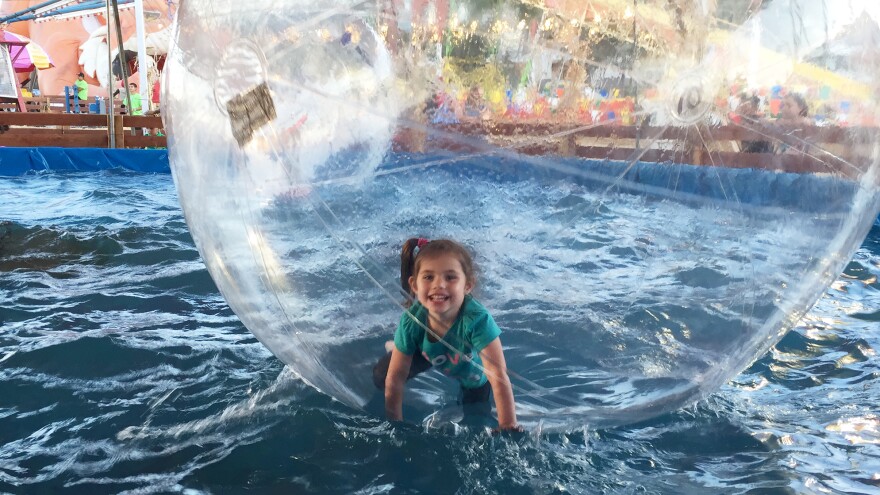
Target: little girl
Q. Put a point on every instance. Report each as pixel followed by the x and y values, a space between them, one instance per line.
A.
pixel 445 328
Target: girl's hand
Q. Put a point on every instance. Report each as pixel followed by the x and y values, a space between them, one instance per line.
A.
pixel 514 428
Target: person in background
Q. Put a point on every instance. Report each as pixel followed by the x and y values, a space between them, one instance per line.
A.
pixel 154 97
pixel 749 114
pixel 794 111
pixel 81 91
pixel 794 117
pixel 155 131
pixel 137 107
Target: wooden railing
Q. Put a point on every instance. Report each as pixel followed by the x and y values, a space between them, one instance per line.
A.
pixel 57 104
pixel 71 130
pixel 806 149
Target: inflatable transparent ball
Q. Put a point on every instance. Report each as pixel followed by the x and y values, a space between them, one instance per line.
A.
pixel 654 192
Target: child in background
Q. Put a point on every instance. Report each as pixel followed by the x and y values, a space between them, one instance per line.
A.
pixel 82 87
pixel 81 93
pixel 793 114
pixel 794 111
pixel 445 328
pixel 137 107
pixel 158 133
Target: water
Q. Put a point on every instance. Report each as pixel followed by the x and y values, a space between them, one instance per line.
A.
pixel 122 370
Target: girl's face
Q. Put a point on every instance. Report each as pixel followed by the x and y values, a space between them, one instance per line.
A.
pixel 440 285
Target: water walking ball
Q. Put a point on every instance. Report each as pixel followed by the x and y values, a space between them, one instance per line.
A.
pixel 647 213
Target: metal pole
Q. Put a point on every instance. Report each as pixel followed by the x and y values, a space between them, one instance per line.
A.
pixel 12 17
pixel 637 120
pixel 111 124
pixel 123 63
pixel 142 51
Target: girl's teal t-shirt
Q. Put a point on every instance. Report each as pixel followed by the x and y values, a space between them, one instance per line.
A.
pixel 458 353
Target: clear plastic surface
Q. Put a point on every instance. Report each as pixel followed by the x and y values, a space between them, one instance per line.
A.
pixel 654 191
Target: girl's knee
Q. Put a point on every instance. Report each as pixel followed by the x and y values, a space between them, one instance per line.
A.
pixel 380 371
pixel 476 395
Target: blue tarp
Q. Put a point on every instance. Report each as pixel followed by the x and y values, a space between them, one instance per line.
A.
pixel 20 161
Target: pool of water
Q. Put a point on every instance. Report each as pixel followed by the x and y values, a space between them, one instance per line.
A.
pixel 122 369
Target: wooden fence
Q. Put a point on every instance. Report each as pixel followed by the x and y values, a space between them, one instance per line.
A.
pixel 71 130
pixel 56 104
pixel 807 149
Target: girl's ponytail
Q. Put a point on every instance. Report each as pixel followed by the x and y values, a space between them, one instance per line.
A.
pixel 407 261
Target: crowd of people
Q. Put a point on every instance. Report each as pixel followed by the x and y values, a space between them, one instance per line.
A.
pixel 780 118
pixel 531 103
pixel 616 106
pixel 785 106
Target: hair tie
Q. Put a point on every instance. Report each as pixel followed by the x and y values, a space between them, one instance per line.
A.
pixel 419 245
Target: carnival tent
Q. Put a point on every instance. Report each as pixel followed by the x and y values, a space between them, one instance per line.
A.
pixel 25 54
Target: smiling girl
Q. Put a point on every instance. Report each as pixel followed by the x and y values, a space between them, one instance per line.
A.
pixel 447 329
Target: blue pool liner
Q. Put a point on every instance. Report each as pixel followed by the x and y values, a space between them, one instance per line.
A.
pixel 22 161
pixel 824 193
